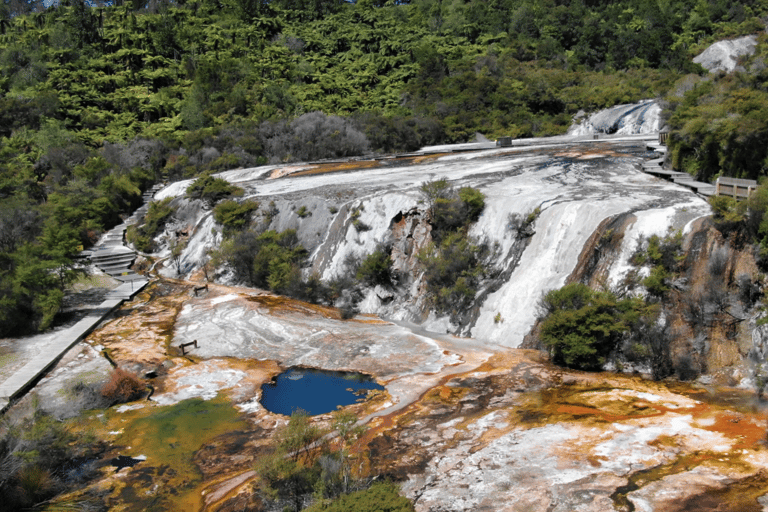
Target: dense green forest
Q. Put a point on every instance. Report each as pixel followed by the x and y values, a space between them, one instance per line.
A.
pixel 98 102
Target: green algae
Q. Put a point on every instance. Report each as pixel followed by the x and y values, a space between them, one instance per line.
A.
pixel 169 437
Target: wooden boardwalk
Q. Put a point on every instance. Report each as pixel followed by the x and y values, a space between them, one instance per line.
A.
pixel 114 259
pixel 20 382
pixel 654 167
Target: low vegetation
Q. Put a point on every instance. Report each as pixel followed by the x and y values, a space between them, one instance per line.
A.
pixel 582 326
pixel 234 215
pixel 376 268
pixel 40 457
pixel 453 263
pixel 211 190
pixel 142 234
pixel 267 260
pixel 379 497
pixel 664 256
pixel 307 465
pixel 453 270
pixel 745 222
pixel 122 387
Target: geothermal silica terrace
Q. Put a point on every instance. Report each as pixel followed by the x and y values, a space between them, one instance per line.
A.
pixel 315 391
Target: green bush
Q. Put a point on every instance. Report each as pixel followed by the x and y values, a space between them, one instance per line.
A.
pixel 448 215
pixel 450 210
pixel 141 235
pixel 664 255
pixel 531 218
pixel 656 282
pixel 212 190
pixel 376 269
pixel 277 260
pixel 380 497
pixel 452 272
pixel 225 162
pixel 234 215
pixel 268 260
pixel 582 326
pixel 473 201
pixel 34 457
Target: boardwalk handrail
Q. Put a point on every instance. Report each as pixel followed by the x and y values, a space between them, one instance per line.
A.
pixel 734 187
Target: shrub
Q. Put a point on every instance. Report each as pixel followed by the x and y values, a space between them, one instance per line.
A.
pixel 664 255
pixel 34 482
pixel 212 190
pixel 686 368
pixel 474 202
pixel 728 214
pixel 348 311
pixel 360 226
pixel 452 272
pixel 582 326
pixel 531 218
pixel 268 260
pixel 393 133
pixel 271 212
pixel 718 261
pixel 434 190
pixel 648 342
pixel 380 497
pixel 450 210
pixel 302 212
pixel 376 269
pixel 277 260
pixel 749 291
pixel 87 396
pixel 34 454
pixel 122 387
pixel 224 162
pixel 158 214
pixel 656 282
pixel 234 215
pixel 447 215
pixel 666 251
pixel 312 136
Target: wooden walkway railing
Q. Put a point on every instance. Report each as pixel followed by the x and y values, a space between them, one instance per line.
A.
pixel 732 187
pixel 735 187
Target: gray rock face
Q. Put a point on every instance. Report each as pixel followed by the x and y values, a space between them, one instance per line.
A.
pixel 724 55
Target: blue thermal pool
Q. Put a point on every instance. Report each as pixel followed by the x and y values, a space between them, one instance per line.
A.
pixel 314 391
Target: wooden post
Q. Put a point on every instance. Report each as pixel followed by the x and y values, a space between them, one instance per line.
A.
pixel 182 346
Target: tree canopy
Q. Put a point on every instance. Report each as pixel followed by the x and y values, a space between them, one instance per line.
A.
pixel 98 101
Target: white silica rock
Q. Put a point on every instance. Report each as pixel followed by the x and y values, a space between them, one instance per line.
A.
pixel 643 117
pixel 724 55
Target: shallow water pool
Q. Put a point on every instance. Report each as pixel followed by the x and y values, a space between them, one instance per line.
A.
pixel 314 391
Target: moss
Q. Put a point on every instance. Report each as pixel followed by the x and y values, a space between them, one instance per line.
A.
pixel 171 436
